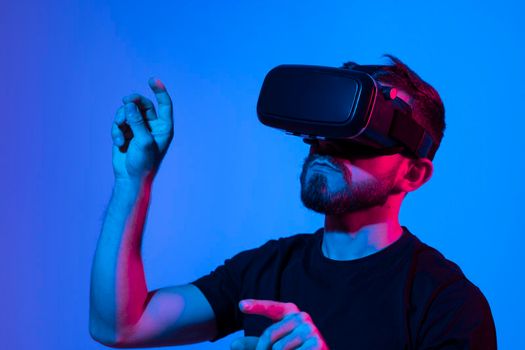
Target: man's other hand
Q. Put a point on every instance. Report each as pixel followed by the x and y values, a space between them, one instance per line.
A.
pixel 293 329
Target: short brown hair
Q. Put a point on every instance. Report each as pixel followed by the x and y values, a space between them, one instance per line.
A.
pixel 427 107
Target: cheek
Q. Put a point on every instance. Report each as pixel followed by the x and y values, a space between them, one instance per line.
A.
pixel 359 174
pixel 378 168
pixel 383 168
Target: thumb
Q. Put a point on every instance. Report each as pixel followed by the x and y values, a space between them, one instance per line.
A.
pixel 244 343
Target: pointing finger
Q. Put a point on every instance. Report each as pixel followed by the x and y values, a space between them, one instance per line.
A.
pixel 274 310
pixel 163 99
pixel 144 104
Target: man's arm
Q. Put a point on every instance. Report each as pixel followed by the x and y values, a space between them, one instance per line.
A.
pixel 123 313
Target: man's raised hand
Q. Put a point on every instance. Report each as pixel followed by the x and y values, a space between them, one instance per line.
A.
pixel 294 329
pixel 140 136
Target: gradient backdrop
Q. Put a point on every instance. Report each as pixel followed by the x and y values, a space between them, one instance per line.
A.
pixel 228 183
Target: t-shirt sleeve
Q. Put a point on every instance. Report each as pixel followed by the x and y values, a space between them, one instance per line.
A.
pixel 458 318
pixel 222 288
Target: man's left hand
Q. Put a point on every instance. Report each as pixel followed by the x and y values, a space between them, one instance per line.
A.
pixel 294 329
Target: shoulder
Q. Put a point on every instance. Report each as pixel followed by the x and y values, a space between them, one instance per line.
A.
pixel 432 271
pixel 293 242
pixel 284 243
pixel 459 314
pixel 449 307
pixel 439 282
pixel 271 250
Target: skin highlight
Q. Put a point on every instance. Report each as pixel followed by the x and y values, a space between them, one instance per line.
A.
pixel 360 197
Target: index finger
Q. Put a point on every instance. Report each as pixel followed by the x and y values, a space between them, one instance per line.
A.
pixel 275 310
pixel 163 99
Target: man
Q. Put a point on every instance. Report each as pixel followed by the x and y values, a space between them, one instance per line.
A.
pixel 362 281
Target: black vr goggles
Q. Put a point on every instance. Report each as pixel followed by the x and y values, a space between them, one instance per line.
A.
pixel 347 107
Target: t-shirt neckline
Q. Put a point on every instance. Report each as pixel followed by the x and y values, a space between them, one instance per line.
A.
pixel 375 258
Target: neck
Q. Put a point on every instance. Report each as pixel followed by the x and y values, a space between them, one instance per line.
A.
pixel 358 234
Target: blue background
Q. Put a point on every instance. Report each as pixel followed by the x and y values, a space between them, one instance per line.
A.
pixel 228 183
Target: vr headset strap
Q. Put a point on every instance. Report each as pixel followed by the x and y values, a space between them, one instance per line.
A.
pixel 407 131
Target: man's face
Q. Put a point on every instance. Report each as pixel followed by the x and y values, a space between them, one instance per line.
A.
pixel 335 184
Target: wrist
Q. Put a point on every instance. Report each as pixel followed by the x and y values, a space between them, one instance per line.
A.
pixel 134 183
pixel 129 190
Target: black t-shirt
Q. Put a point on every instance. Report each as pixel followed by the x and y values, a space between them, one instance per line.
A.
pixel 405 296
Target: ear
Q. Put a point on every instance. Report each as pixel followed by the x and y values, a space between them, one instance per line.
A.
pixel 419 171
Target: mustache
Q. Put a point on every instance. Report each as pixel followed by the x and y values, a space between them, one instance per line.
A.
pixel 337 163
pixel 326 158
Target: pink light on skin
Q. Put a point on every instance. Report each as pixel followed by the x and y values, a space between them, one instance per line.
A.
pixel 268 308
pixel 167 306
pixel 362 232
pixel 372 232
pixel 289 320
pixel 141 314
pixel 158 83
pixel 130 278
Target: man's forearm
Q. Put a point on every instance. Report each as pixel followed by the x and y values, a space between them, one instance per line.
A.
pixel 118 284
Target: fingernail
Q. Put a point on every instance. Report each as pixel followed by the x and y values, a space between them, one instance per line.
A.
pixel 157 83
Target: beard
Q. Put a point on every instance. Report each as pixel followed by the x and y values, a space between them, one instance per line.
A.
pixel 320 193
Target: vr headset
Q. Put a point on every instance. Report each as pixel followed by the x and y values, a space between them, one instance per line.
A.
pixel 345 106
